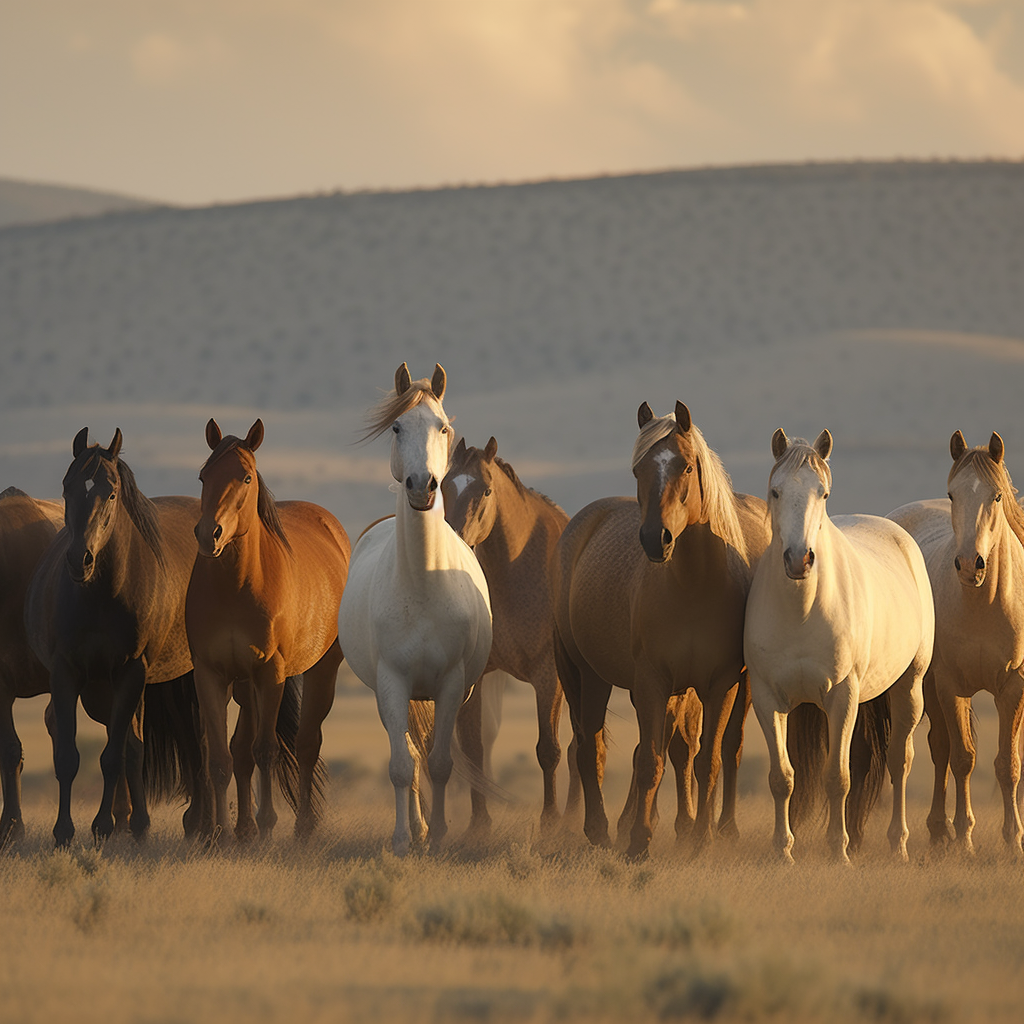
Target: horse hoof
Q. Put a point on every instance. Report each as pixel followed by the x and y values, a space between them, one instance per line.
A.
pixel 11 831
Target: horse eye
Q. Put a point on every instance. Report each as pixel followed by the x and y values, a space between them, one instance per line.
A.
pixel 775 493
pixel 824 497
pixel 689 469
pixel 999 497
pixel 487 492
pixel 113 495
pixel 394 427
pixel 248 479
pixel 444 430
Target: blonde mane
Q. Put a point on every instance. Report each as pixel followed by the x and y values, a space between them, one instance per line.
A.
pixel 997 475
pixel 718 501
pixel 394 405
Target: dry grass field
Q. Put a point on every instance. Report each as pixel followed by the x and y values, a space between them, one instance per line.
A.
pixel 511 928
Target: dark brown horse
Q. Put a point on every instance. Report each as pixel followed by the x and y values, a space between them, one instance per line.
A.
pixel 105 616
pixel 513 531
pixel 262 606
pixel 27 528
pixel 657 617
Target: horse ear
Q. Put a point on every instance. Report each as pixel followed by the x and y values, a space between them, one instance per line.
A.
pixel 403 380
pixel 460 448
pixel 644 415
pixel 114 448
pixel 823 444
pixel 995 447
pixel 957 445
pixel 779 443
pixel 255 436
pixel 438 381
pixel 81 442
pixel 213 434
pixel 683 418
pixel 491 450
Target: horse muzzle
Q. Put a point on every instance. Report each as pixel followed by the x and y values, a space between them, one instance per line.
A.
pixel 209 538
pixel 798 567
pixel 81 568
pixel 421 492
pixel 970 574
pixel 657 542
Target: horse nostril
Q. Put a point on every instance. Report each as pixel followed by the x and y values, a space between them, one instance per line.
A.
pixel 408 483
pixel 217 531
pixel 196 531
pixel 433 484
pixel 956 562
pixel 980 563
pixel 810 558
pixel 87 558
pixel 666 537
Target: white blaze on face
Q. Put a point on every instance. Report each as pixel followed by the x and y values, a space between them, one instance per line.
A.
pixel 663 460
pixel 461 482
pixel 89 485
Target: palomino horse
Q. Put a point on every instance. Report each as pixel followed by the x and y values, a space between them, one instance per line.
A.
pixel 658 617
pixel 27 528
pixel 513 531
pixel 105 615
pixel 415 620
pixel 840 611
pixel 973 546
pixel 262 606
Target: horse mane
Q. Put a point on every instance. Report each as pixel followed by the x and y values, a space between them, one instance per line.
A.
pixel 717 498
pixel 800 453
pixel 141 511
pixel 394 405
pixel 266 506
pixel 996 474
pixel 12 492
pixel 522 489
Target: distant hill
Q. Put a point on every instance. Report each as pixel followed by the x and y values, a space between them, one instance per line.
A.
pixel 24 202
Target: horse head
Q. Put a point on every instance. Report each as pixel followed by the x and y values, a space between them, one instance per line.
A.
pixel 978 484
pixel 798 488
pixel 422 436
pixel 92 486
pixel 470 504
pixel 229 501
pixel 668 479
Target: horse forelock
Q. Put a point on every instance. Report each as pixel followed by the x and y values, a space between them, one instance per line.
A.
pixel 718 501
pixel 998 477
pixel 393 406
pixel 799 454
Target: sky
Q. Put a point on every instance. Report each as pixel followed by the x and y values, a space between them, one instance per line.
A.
pixel 200 101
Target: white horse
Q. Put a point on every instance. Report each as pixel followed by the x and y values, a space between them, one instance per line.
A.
pixel 973 546
pixel 415 619
pixel 839 612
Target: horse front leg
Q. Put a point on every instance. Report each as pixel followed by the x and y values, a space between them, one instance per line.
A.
pixel 12 828
pixel 732 754
pixel 393 707
pixel 127 686
pixel 718 701
pixel 1010 706
pixel 62 725
pixel 447 702
pixel 906 707
pixel 940 828
pixel 549 699
pixel 773 717
pixel 318 688
pixel 213 692
pixel 841 710
pixel 650 701
pixel 268 684
pixel 131 789
pixel 683 748
pixel 243 763
pixel 956 711
pixel 469 724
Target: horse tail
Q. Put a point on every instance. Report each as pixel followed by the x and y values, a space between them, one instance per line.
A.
pixel 868 748
pixel 288 763
pixel 172 765
pixel 807 743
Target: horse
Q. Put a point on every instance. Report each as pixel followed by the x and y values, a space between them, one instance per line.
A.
pixel 659 618
pixel 27 528
pixel 262 606
pixel 104 614
pixel 513 530
pixel 839 614
pixel 973 544
pixel 415 619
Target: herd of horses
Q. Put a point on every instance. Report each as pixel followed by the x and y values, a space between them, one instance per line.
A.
pixel 840 631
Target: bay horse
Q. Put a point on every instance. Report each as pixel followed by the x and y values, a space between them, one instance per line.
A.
pixel 105 616
pixel 415 619
pixel 262 606
pixel 27 528
pixel 659 617
pixel 839 614
pixel 513 531
pixel 973 544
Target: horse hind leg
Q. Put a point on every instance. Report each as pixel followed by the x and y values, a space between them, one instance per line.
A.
pixel 318 690
pixel 1010 706
pixel 268 684
pixel 718 703
pixel 470 730
pixel 906 704
pixel 12 828
pixel 956 711
pixel 732 754
pixel 549 699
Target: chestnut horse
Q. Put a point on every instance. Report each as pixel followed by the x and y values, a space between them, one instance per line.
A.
pixel 27 528
pixel 262 606
pixel 105 616
pixel 415 620
pixel 839 615
pixel 973 545
pixel 513 531
pixel 658 617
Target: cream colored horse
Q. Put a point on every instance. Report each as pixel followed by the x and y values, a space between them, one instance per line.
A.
pixel 973 546
pixel 415 619
pixel 839 612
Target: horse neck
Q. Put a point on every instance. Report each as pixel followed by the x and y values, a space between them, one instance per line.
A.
pixel 514 524
pixel 1004 578
pixel 244 560
pixel 126 550
pixel 423 540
